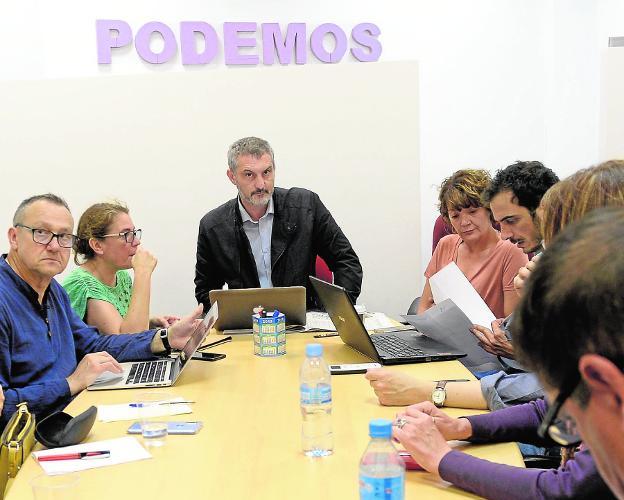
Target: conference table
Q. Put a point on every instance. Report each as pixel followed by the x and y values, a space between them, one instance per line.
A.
pixel 250 444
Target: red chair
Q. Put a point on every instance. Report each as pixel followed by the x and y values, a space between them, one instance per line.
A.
pixel 440 230
pixel 322 271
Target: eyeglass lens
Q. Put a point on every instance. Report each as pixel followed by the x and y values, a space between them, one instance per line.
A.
pixel 44 237
pixel 133 235
pixel 564 430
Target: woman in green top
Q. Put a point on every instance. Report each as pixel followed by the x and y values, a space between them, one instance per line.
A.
pixel 101 290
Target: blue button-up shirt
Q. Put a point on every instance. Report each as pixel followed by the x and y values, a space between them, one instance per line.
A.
pixel 259 236
pixel 41 344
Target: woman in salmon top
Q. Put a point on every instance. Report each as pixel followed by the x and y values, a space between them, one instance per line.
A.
pixel 489 263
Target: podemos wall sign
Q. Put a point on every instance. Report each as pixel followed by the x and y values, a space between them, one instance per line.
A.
pixel 199 42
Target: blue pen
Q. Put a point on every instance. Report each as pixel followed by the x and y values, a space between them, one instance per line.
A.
pixel 140 405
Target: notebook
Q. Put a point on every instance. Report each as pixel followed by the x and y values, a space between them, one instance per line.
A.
pixel 159 372
pixel 388 348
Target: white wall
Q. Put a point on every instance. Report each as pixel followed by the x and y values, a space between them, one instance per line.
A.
pixel 500 80
pixel 160 145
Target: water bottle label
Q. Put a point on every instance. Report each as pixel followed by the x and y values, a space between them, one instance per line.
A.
pixel 378 488
pixel 315 395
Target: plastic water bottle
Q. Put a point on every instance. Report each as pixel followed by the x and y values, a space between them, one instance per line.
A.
pixel 382 472
pixel 316 402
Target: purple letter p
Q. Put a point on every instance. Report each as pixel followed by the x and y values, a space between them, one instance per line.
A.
pixel 106 40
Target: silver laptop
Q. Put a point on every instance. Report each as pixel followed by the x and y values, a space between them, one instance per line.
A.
pixel 236 306
pixel 388 348
pixel 160 372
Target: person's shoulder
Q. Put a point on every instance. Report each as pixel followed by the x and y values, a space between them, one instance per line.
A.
pixel 448 241
pixel 218 215
pixel 295 197
pixel 59 291
pixel 81 282
pixel 511 250
pixel 78 277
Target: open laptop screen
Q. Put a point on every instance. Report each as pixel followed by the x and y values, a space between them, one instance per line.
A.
pixel 198 336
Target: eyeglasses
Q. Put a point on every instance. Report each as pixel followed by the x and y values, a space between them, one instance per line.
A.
pixel 44 237
pixel 129 236
pixel 557 425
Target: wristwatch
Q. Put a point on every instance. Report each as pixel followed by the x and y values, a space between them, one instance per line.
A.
pixel 164 337
pixel 438 396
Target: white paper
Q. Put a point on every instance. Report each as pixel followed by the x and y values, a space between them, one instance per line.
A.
pixel 319 321
pixel 113 413
pixel 122 450
pixel 450 283
pixel 376 320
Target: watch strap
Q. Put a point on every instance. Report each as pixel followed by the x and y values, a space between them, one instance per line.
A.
pixel 164 337
pixel 441 384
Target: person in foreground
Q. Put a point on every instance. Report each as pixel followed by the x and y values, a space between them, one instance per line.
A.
pixel 101 290
pixel 564 203
pixel 487 261
pixel 49 353
pixel 269 236
pixel 570 332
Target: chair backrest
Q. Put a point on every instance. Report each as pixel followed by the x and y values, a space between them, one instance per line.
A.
pixel 440 230
pixel 322 271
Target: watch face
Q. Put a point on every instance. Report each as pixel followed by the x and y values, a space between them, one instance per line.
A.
pixel 438 396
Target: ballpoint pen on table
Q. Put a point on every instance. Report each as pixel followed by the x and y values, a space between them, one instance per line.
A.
pixel 84 455
pixel 139 405
pixel 215 343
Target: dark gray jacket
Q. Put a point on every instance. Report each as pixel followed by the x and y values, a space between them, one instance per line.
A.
pixel 302 229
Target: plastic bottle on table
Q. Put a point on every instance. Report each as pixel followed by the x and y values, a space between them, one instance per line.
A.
pixel 316 403
pixel 382 472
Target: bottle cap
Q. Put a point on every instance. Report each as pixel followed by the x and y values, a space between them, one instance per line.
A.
pixel 380 428
pixel 314 350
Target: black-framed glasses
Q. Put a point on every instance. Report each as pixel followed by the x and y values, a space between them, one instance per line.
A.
pixel 556 424
pixel 129 236
pixel 44 237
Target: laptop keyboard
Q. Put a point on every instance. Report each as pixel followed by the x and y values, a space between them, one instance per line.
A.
pixel 394 346
pixel 147 372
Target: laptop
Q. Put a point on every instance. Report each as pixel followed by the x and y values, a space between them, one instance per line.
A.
pixel 236 306
pixel 388 348
pixel 159 372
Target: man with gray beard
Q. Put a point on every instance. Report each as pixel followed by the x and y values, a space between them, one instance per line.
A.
pixel 269 236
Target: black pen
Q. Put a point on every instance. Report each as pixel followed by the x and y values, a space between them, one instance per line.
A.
pixel 454 380
pixel 216 343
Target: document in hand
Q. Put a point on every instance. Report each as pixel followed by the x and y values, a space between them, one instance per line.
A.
pixel 446 323
pixel 122 450
pixel 450 283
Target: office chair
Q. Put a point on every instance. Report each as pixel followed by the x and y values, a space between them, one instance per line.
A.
pixel 322 271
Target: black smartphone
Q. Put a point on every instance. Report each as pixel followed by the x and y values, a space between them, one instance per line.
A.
pixel 208 356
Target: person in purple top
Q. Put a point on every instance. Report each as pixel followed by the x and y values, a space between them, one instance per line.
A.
pixel 568 330
pixel 48 353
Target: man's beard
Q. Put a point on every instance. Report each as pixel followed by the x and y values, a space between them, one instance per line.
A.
pixel 255 200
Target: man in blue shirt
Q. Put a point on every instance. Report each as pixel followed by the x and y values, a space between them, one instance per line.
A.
pixel 48 353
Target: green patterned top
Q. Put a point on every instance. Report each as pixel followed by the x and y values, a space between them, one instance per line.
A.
pixel 81 286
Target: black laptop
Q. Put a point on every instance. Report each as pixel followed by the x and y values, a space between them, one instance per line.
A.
pixel 386 348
